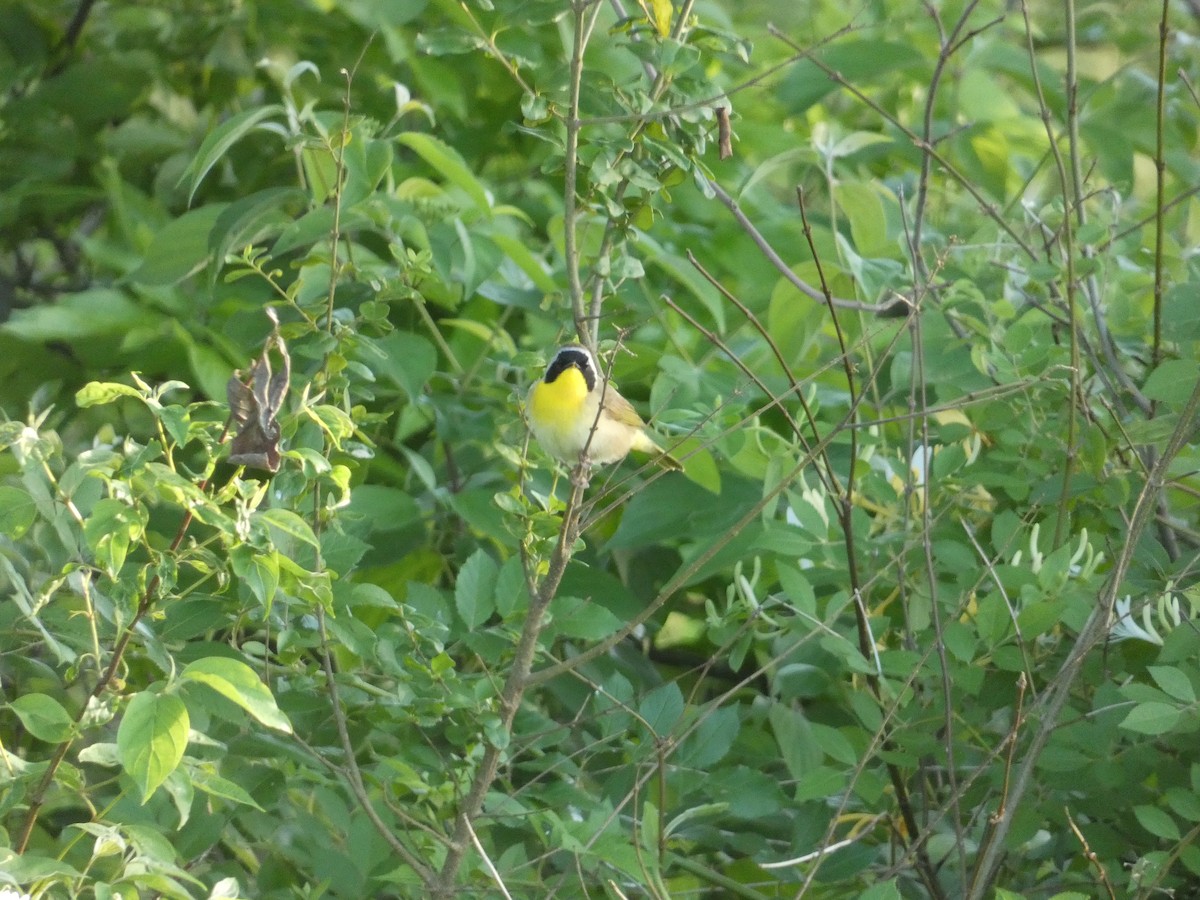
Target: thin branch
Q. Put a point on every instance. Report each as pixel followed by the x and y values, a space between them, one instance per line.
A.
pixel 515 685
pixel 1091 856
pixel 1160 178
pixel 1068 253
pixel 487 862
pixel 74 30
pixel 948 46
pixel 586 331
pixel 353 773
pixel 782 267
pixel 844 505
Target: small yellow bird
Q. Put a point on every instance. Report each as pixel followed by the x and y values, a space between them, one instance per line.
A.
pixel 565 405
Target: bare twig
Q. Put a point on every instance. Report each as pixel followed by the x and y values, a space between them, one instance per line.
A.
pixel 1091 856
pixel 487 862
pixel 1160 178
pixel 948 46
pixel 782 267
pixel 352 772
pixel 581 31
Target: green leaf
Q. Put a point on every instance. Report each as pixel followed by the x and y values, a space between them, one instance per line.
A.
pixel 704 810
pixel 259 571
pixel 1172 381
pixel 662 708
pixel 409 361
pixel 44 717
pixel 512 593
pixel 1180 315
pixel 79 317
pixel 97 393
pixel 864 208
pixel 1152 718
pixel 152 738
pixel 648 831
pixel 447 161
pixel 1183 802
pixel 25 868
pixel 179 249
pixel 1174 682
pixel 712 739
pixel 797 745
pixel 220 139
pixel 535 270
pixel 583 619
pixel 111 529
pixel 1157 822
pixel 308 229
pixel 887 890
pixel 236 681
pixel 217 786
pixel 17 511
pixel 286 523
pixel 251 221
pixel 475 589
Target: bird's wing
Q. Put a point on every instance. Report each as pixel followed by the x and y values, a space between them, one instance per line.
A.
pixel 621 409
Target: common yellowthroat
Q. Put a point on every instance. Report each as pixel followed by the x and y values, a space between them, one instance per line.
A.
pixel 572 398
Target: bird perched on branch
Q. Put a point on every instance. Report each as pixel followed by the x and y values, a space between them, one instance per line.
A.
pixel 575 411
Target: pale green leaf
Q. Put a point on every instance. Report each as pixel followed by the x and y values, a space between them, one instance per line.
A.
pixel 1174 682
pixel 152 738
pixel 96 393
pixel 220 139
pixel 287 523
pixel 1151 718
pixel 447 161
pixel 1157 822
pixel 43 717
pixel 236 681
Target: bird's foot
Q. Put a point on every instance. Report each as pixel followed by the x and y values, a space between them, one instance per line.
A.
pixel 582 473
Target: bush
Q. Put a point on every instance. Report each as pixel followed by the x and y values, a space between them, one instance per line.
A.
pixel 908 290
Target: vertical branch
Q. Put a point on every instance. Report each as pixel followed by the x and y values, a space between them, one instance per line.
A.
pixel 919 408
pixel 1068 249
pixel 845 510
pixel 1068 242
pixel 335 233
pixel 351 772
pixel 581 30
pixel 949 43
pixel 659 83
pixel 515 685
pixel 1160 171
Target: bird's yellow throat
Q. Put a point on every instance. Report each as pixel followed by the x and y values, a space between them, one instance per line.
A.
pixel 558 402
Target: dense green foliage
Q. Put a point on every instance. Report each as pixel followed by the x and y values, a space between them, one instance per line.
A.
pixel 918 620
